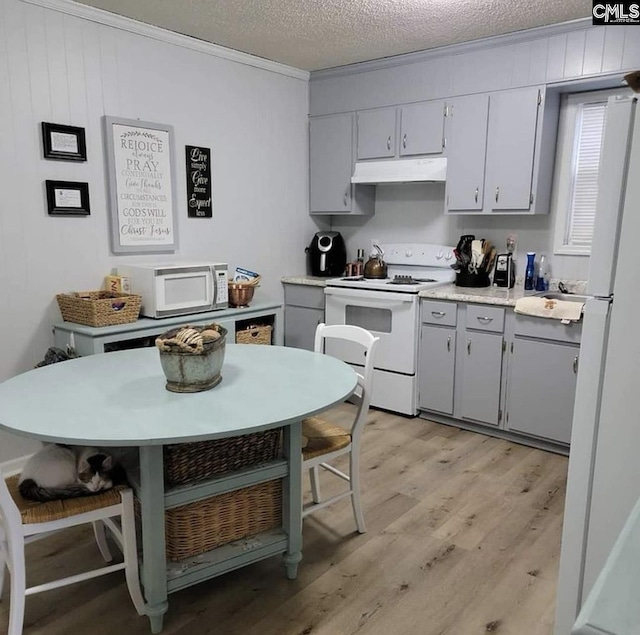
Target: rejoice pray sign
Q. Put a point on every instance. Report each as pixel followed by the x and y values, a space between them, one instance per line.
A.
pixel 142 188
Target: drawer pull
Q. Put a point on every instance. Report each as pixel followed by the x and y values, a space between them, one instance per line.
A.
pixel 438 314
pixel 468 347
pixel 497 193
pixel 485 320
pixel 575 364
pixel 449 343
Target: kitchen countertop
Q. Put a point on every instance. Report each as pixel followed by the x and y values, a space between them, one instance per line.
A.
pixel 312 281
pixel 482 295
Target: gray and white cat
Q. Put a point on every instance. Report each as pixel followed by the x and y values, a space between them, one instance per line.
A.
pixel 62 471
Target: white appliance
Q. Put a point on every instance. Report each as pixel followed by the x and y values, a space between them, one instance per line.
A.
pixel 400 171
pixel 604 462
pixel 389 308
pixel 169 289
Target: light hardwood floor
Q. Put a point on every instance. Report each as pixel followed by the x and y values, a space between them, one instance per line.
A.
pixel 463 537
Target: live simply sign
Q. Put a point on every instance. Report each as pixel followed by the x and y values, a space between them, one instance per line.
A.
pixel 199 182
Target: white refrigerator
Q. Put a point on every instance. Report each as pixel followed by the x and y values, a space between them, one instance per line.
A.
pixel 604 461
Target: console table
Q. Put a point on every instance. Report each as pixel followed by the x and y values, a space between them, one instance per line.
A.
pixel 90 340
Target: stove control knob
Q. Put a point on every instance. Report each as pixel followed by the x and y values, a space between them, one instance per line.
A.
pixel 439 255
pixel 448 255
pixel 408 253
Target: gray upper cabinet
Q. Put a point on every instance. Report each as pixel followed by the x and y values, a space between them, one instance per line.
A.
pixel 516 158
pixel 513 119
pixel 331 167
pixel 401 131
pixel 377 133
pixel 468 117
pixel 422 128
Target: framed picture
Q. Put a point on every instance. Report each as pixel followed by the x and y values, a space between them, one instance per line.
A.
pixel 64 143
pixel 67 198
pixel 141 187
pixel 199 202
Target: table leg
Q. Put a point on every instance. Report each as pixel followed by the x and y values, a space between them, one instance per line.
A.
pixel 154 569
pixel 292 511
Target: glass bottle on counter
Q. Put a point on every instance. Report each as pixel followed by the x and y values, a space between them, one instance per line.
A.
pixel 360 263
pixel 530 271
pixel 542 282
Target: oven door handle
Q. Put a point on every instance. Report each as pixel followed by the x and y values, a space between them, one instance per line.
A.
pixel 363 296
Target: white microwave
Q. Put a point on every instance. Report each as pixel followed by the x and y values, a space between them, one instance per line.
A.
pixel 178 288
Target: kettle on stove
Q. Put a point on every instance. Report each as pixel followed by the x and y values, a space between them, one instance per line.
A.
pixel 376 267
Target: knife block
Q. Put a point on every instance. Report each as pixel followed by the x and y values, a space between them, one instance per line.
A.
pixel 465 278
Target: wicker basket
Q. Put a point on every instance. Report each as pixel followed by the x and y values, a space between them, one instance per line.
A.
pixel 99 308
pixel 192 462
pixel 255 334
pixel 212 522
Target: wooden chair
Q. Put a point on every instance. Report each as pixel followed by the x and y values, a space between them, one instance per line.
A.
pixel 325 441
pixel 23 521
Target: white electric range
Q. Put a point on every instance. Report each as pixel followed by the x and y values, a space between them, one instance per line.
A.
pixel 390 309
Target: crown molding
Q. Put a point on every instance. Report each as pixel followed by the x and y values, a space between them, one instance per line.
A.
pixel 156 33
pixel 453 49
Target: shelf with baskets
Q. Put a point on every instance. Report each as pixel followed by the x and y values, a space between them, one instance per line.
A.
pixel 258 323
pixel 223 504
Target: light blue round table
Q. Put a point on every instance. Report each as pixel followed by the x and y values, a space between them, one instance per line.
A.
pixel 119 399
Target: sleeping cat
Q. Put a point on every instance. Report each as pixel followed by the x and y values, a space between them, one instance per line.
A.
pixel 63 471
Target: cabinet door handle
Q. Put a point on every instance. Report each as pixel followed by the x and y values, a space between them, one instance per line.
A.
pixel 346 197
pixel 438 314
pixel 575 364
pixel 449 343
pixel 497 193
pixel 468 347
pixel 476 195
pixel 389 142
pixel 484 320
pixel 404 140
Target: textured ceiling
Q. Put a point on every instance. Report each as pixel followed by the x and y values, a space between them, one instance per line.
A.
pixel 317 34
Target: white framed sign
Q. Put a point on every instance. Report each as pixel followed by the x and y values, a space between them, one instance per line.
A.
pixel 141 186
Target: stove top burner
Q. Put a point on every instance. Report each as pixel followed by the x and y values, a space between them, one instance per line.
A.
pixel 409 280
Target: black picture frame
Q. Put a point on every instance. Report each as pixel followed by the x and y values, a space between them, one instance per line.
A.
pixel 63 143
pixel 67 198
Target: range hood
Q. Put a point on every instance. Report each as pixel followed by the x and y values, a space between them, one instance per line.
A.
pixel 400 171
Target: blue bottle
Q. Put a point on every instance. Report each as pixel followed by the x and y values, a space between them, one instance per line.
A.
pixel 530 271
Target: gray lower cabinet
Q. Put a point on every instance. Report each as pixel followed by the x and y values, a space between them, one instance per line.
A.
pixel 542 380
pixel 331 158
pixel 437 366
pixel 481 372
pixel 487 366
pixel 437 356
pixel 481 363
pixel 303 311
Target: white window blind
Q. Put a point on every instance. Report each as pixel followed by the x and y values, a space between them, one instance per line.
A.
pixel 575 190
pixel 586 163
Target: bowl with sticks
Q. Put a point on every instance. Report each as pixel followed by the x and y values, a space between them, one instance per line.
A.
pixel 192 357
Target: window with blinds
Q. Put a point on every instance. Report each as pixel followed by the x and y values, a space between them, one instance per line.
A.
pixel 586 162
pixel 582 119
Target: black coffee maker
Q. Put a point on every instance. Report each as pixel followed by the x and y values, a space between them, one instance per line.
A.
pixel 327 254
